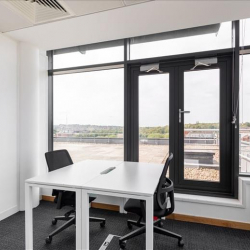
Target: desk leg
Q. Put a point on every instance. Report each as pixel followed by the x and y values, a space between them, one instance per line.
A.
pixel 79 219
pixel 28 217
pixel 149 223
pixel 85 220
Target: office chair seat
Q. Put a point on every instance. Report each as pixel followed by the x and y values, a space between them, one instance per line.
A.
pixel 163 206
pixel 69 198
pixel 134 206
pixel 56 160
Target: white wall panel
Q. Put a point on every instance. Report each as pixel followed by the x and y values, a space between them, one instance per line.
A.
pixel 28 117
pixel 9 196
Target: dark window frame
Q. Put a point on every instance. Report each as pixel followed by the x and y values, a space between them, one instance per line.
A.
pixel 130 114
pixel 225 189
pixel 244 50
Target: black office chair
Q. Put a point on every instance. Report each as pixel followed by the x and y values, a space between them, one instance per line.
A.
pixel 56 160
pixel 164 192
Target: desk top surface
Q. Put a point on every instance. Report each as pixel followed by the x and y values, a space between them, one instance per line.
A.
pixel 127 177
pixel 74 175
pixel 133 178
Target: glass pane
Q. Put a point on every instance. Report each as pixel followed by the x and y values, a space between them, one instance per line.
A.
pixel 245 32
pixel 154 118
pixel 88 114
pixel 245 115
pixel 89 57
pixel 182 45
pixel 201 125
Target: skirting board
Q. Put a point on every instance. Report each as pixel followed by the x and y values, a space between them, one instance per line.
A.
pixel 210 221
pixel 48 198
pixel 180 217
pixel 9 212
pixel 105 206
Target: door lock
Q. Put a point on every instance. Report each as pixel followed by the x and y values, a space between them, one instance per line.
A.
pixel 182 112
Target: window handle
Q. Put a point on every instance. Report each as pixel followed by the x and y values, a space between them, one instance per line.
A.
pixel 182 112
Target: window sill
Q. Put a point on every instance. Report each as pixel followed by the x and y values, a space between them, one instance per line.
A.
pixel 239 203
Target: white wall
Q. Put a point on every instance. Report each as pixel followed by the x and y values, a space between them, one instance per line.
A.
pixel 43 116
pixel 20 132
pixel 28 117
pixel 23 122
pixel 217 208
pixel 9 196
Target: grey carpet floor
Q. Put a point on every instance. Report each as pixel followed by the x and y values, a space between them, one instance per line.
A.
pixel 196 236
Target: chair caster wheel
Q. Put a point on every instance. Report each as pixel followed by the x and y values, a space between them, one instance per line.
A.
pixel 129 225
pixel 54 221
pixel 48 240
pixel 122 245
pixel 181 243
pixel 160 224
pixel 102 224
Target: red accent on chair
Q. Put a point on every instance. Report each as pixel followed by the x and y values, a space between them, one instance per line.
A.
pixel 155 218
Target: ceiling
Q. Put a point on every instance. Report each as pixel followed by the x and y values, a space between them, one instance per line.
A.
pixel 150 17
pixel 19 14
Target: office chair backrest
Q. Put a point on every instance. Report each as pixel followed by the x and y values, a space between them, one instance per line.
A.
pixel 58 159
pixel 165 187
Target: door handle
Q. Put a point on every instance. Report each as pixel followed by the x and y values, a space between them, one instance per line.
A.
pixel 182 112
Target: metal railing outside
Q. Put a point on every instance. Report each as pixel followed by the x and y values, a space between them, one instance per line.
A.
pixel 194 136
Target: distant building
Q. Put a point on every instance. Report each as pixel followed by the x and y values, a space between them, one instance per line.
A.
pixel 64 135
pixel 246 138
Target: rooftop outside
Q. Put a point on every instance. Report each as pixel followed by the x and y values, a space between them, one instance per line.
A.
pixel 201 156
pixel 148 153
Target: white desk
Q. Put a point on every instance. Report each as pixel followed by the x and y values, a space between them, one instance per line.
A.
pixel 128 180
pixel 70 178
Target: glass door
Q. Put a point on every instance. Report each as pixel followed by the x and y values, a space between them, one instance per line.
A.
pixel 204 127
pixel 188 113
pixel 148 119
pixel 154 118
pixel 201 125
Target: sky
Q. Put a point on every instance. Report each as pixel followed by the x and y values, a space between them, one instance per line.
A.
pixel 154 100
pixel 244 103
pixel 92 98
pixel 201 98
pixel 96 98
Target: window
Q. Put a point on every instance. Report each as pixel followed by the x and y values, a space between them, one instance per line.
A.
pixel 244 115
pixel 202 125
pixel 88 114
pixel 154 118
pixel 245 32
pixel 89 55
pixel 206 38
pixel 106 105
pixel 187 112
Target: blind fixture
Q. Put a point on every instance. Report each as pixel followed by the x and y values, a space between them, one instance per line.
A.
pixel 84 48
pixel 208 29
